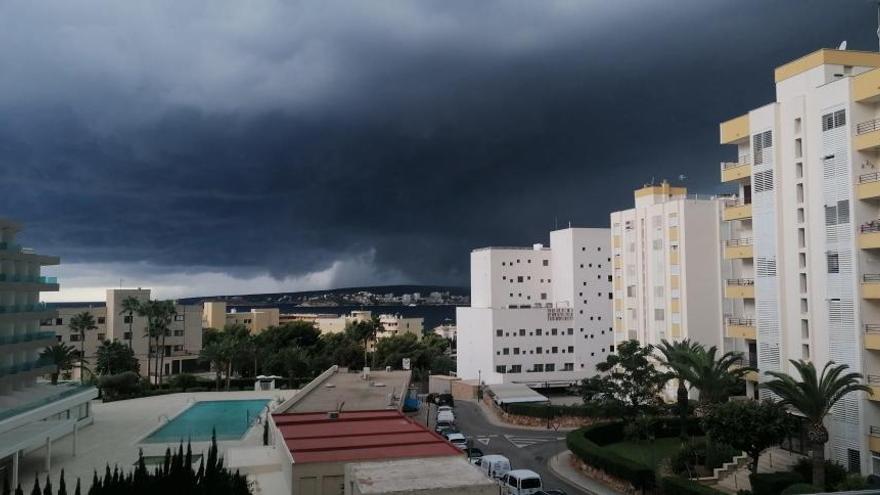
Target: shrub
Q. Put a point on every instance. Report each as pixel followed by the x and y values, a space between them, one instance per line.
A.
pixel 675 485
pixel 773 483
pixel 590 452
pixel 588 410
pixel 801 488
pixel 698 452
pixel 834 472
pixel 853 481
pixel 184 381
pixel 121 384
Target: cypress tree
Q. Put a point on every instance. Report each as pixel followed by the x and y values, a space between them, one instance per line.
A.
pixel 96 484
pixel 76 491
pixel 6 489
pixel 62 487
pixel 167 464
pixel 36 489
pixel 18 490
pixel 47 490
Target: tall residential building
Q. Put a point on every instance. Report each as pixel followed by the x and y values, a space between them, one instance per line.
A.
pixel 215 315
pixel 181 346
pixel 538 316
pixel 666 258
pixel 33 413
pixel 806 236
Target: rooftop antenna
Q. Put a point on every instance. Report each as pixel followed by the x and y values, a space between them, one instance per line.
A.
pixel 878 24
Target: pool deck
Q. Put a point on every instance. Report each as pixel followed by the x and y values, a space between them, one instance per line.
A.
pixel 117 430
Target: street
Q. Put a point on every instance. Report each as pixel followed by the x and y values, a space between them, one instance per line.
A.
pixel 526 449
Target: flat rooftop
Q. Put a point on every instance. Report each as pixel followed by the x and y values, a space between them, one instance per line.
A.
pixel 358 436
pixel 411 475
pixel 350 391
pixel 510 393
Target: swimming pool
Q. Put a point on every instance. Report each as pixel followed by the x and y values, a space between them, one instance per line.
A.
pixel 230 418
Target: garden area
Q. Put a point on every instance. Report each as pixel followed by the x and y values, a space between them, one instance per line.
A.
pixel 652 447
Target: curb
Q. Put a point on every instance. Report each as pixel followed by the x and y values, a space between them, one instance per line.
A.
pixel 576 481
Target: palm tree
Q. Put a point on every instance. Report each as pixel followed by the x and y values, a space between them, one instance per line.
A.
pixel 215 353
pixel 159 315
pixel 82 323
pixel 716 378
pixel 62 356
pixel 130 306
pixel 813 397
pixel 677 358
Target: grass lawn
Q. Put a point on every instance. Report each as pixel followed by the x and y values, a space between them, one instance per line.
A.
pixel 645 452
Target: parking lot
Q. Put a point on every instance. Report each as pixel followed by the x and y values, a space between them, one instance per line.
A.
pixel 526 448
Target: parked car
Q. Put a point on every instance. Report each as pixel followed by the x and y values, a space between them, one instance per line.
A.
pixel 458 440
pixel 521 482
pixel 445 416
pixel 474 452
pixel 445 400
pixel 555 491
pixel 494 466
pixel 450 431
pixel 442 426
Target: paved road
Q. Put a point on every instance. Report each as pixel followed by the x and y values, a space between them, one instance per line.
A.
pixel 526 449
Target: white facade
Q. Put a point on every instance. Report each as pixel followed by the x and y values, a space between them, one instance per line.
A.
pixel 33 413
pixel 666 258
pixel 810 186
pixel 539 316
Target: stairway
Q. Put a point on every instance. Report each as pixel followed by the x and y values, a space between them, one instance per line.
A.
pixel 771 461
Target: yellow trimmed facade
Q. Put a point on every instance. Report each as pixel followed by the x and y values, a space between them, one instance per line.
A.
pixel 731 173
pixel 735 129
pixel 868 190
pixel 872 341
pixel 827 56
pixel 740 291
pixel 738 212
pixel 870 240
pixel 870 290
pixel 866 87
pixel 742 332
pixel 738 252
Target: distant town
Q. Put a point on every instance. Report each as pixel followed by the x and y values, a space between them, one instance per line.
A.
pixel 403 295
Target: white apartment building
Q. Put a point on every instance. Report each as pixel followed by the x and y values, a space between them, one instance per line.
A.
pixel 538 316
pixel 215 315
pixel 33 413
pixel 182 345
pixel 806 258
pixel 666 261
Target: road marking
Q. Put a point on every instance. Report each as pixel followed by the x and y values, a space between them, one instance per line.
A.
pixel 484 441
pixel 520 442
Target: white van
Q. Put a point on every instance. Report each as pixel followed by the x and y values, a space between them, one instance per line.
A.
pixel 521 482
pixel 458 440
pixel 494 466
pixel 445 416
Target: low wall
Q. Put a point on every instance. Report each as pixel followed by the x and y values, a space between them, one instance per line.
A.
pixel 567 422
pixel 618 485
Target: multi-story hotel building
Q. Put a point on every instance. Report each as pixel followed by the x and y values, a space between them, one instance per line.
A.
pixel 182 345
pixel 806 236
pixel 33 414
pixel 666 262
pixel 391 324
pixel 215 315
pixel 538 316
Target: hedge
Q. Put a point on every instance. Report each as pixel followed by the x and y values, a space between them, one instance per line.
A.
pixel 593 454
pixel 555 411
pixel 773 483
pixel 675 485
pixel 801 488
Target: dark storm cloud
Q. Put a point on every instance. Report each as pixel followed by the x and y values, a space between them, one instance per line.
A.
pixel 285 137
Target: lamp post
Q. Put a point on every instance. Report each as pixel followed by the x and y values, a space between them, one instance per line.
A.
pixel 479 384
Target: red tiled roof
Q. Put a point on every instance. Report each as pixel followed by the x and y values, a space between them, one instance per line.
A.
pixel 358 436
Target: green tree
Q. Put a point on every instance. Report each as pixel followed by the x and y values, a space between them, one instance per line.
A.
pixel 676 357
pixel 115 357
pixel 62 356
pixel 629 381
pixel 715 378
pixel 215 354
pixel 339 348
pixel 80 324
pixel 364 331
pixel 813 397
pixel 749 426
pixel 130 306
pixel 159 315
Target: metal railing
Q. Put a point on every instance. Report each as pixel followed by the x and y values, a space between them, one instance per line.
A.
pixel 745 241
pixel 871 278
pixel 22 367
pixel 736 203
pixel 874 431
pixel 868 126
pixel 743 160
pixel 873 379
pixel 743 322
pixel 64 391
pixel 6 277
pixel 24 308
pixel 740 282
pixel 872 177
pixel 872 327
pixel 750 361
pixel 9 246
pixel 868 227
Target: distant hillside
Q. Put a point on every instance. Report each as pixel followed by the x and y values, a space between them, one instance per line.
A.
pixel 387 294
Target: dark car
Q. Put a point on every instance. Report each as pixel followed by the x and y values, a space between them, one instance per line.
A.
pixel 551 492
pixel 473 452
pixel 445 400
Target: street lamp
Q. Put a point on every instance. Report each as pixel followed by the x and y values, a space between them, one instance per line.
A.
pixel 479 384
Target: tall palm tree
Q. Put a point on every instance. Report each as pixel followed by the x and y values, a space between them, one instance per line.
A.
pixel 130 306
pixel 215 354
pixel 82 323
pixel 62 356
pixel 159 315
pixel 813 397
pixel 677 358
pixel 716 377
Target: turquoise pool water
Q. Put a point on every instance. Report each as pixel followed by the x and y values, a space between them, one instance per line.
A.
pixel 230 418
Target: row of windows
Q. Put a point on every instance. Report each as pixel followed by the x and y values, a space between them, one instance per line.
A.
pixel 536 368
pixel 537 332
pixel 537 350
pixel 510 263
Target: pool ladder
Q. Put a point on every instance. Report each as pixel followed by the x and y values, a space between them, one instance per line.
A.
pixel 167 419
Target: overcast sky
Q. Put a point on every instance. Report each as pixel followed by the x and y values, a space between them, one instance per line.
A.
pixel 223 146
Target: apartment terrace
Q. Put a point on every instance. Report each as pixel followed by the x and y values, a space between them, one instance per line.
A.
pixel 740 288
pixel 738 248
pixel 740 170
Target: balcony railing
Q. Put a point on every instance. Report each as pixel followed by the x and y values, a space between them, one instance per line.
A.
pixel 743 322
pixel 63 391
pixel 22 367
pixel 743 282
pixel 26 337
pixel 9 246
pixel 873 380
pixel 750 361
pixel 868 126
pixel 24 308
pixel 743 160
pixel 746 241
pixel 868 227
pixel 872 327
pixel 868 178
pixel 874 431
pixel 6 277
pixel 871 278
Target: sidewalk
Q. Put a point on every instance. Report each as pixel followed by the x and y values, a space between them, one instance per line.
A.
pixel 560 464
pixel 493 418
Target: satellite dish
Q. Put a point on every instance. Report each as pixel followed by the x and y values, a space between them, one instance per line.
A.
pixel 842 45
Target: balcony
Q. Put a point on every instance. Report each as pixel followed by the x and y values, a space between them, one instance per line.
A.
pixel 742 211
pixel 874 383
pixel 872 336
pixel 869 235
pixel 741 328
pixel 23 367
pixel 874 438
pixel 866 88
pixel 867 135
pixel 741 288
pixel 871 286
pixel 25 279
pixel 10 247
pixel 735 130
pixel 740 170
pixel 751 362
pixel 24 308
pixel 26 337
pixel 735 249
pixel 869 186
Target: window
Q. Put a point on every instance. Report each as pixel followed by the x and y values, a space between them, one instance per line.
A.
pixel 538 368
pixel 101 337
pixel 522 332
pixel 515 368
pixel 833 260
pixel 570 348
pixel 58 321
pixel 552 331
pixel 500 368
pixel 539 350
pixel 570 331
pixel 549 367
pixel 127 319
pixel 554 350
pixel 516 351
pixel 833 120
pixel 519 279
pixel 611 348
pixel 101 320
pixel 543 296
pixel 538 332
pixel 499 333
pixel 568 367
pixel 178 333
pixel 546 262
pixel 74 337
pixel 761 142
pixel 126 335
pixel 659 314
